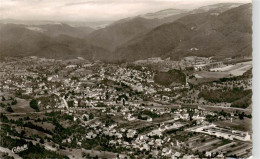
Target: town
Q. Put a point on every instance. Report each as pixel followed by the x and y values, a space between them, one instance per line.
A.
pixel 196 107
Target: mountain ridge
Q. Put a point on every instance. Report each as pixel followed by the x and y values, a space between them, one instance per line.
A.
pixel 227 34
pixel 210 35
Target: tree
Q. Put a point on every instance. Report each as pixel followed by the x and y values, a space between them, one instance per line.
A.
pixel 75 78
pixel 123 101
pixel 79 103
pixel 191 113
pixel 85 118
pixel 2 105
pixel 107 95
pixel 56 70
pixel 71 103
pixel 22 133
pixel 91 116
pixel 34 105
pixel 41 141
pixel 14 102
pixel 84 154
pixel 9 109
pixel 3 98
pixel 241 116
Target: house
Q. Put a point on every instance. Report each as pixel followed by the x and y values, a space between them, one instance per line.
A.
pixel 6 87
pixel 71 66
pixel 79 143
pixel 166 152
pixel 91 135
pixel 200 67
pixel 75 103
pixel 131 133
pixel 145 147
pixel 29 90
pixel 149 119
pixel 176 155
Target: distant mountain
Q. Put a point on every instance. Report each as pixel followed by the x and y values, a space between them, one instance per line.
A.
pixel 27 22
pixel 221 30
pixel 92 24
pixel 62 29
pixel 124 30
pixel 225 35
pixel 108 38
pixel 216 8
pixel 120 32
pixel 164 13
pixel 18 40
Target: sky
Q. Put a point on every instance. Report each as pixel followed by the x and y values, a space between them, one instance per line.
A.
pixel 93 10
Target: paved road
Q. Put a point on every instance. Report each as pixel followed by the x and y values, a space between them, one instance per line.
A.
pixel 65 102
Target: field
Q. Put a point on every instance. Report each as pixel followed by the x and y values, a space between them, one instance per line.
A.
pixel 226 109
pixel 236 69
pixel 240 69
pixel 227 71
pixel 22 106
pixel 216 75
pixel 243 125
pixel 77 153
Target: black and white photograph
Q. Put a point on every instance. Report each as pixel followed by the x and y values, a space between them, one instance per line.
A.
pixel 126 79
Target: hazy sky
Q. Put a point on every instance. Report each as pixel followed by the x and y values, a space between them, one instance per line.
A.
pixel 93 10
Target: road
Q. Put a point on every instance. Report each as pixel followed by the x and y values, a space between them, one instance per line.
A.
pixel 65 102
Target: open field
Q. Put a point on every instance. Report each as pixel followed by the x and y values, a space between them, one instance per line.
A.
pixel 223 72
pixel 222 69
pixel 22 106
pixel 235 70
pixel 227 109
pixel 243 125
pixel 201 79
pixel 241 69
pixel 206 74
pixel 202 142
pixel 77 153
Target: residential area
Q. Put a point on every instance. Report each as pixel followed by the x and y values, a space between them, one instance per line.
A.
pixel 144 109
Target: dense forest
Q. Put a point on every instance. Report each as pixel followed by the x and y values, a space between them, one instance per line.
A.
pixel 167 78
pixel 238 97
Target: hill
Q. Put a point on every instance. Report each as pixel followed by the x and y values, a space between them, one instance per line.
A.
pixel 221 30
pixel 225 35
pixel 216 8
pixel 20 41
pixel 164 13
pixel 63 29
pixel 124 30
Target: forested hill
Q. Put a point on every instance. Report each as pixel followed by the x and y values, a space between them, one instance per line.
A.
pixel 219 30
